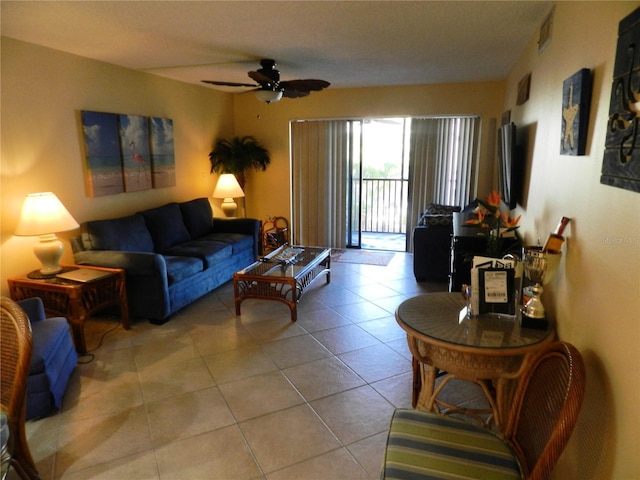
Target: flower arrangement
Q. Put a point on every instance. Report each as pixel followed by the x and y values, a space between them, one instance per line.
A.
pixel 494 222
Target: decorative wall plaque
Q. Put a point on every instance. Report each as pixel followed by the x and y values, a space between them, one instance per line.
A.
pixel 545 32
pixel 621 163
pixel 576 99
pixel 524 85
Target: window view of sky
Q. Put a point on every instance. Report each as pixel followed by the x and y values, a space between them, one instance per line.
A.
pixel 383 147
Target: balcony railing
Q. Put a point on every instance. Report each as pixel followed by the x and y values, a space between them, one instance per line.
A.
pixel 384 205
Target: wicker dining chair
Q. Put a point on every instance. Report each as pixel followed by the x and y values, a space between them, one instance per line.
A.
pixel 544 410
pixel 15 347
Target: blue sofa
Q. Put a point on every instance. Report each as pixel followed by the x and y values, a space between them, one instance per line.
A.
pixel 172 254
pixel 53 358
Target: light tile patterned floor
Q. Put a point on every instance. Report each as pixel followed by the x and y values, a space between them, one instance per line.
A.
pixel 210 395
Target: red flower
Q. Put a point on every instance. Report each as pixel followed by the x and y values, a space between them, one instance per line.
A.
pixel 479 220
pixel 510 223
pixel 493 199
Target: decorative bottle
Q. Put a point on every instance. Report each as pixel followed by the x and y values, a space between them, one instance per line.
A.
pixel 556 238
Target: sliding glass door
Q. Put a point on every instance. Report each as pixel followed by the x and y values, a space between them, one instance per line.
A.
pixel 354 187
pixel 353 180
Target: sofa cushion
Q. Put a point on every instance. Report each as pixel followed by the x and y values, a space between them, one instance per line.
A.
pixel 180 268
pixel 166 226
pixel 48 336
pixel 426 445
pixel 197 216
pixel 238 241
pixel 208 251
pixel 128 234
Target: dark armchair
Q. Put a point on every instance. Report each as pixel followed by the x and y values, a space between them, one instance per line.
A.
pixel 432 243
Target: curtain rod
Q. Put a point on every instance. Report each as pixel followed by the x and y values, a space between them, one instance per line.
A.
pixel 356 119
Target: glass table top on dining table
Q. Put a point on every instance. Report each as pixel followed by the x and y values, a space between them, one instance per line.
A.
pixel 443 317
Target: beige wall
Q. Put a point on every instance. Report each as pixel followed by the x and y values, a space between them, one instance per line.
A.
pixel 268 192
pixel 593 295
pixel 43 92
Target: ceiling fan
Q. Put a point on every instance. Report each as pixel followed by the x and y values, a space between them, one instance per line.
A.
pixel 270 89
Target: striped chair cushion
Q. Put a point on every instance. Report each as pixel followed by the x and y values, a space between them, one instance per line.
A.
pixel 424 445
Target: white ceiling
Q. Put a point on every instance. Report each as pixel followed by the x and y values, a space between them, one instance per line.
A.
pixel 348 43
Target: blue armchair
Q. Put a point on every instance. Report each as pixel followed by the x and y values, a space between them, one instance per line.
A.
pixel 53 359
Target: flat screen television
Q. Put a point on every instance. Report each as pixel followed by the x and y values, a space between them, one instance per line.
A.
pixel 510 159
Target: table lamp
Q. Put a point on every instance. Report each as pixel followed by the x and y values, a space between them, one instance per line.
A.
pixel 43 214
pixel 228 188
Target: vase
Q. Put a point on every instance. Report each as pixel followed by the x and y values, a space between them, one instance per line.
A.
pixel 493 243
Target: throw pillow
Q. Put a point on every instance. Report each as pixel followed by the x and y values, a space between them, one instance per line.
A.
pixel 437 209
pixel 166 226
pixel 436 215
pixel 127 234
pixel 197 216
pixel 435 220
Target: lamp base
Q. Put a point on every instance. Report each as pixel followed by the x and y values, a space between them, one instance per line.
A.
pixel 49 251
pixel 229 207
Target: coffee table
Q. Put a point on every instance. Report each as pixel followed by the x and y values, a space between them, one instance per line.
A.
pixel 284 281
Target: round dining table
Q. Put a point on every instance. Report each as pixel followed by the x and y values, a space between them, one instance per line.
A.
pixel 489 350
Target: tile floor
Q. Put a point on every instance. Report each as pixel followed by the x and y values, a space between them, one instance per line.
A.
pixel 210 395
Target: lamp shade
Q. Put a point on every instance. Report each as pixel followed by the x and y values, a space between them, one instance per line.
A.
pixel 227 187
pixel 268 96
pixel 44 213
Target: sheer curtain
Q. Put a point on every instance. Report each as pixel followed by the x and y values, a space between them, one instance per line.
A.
pixel 442 162
pixel 319 169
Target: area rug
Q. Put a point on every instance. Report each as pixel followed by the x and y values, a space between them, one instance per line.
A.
pixel 367 257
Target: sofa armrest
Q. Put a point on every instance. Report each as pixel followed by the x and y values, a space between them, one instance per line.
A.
pixel 245 226
pixel 34 308
pixel 135 263
pixel 147 282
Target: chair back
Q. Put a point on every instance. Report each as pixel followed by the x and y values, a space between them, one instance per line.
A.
pixel 15 355
pixel 545 408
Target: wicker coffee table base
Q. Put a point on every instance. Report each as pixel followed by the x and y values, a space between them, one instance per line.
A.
pixel 287 290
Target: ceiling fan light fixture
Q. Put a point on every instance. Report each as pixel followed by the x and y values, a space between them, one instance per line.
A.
pixel 268 96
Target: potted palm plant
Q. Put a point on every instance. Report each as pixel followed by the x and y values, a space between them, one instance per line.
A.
pixel 237 155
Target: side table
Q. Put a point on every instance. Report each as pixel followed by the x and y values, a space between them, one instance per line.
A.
pixel 76 301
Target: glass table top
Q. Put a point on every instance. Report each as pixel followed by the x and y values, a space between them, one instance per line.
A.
pixel 442 317
pixel 270 266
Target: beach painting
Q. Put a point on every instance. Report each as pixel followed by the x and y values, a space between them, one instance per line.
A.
pixel 134 146
pixel 103 160
pixel 163 163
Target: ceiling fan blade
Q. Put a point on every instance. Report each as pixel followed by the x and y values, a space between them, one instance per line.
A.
pixel 230 84
pixel 307 84
pixel 268 78
pixel 261 78
pixel 288 93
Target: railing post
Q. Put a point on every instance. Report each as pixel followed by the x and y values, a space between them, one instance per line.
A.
pixel 384 208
